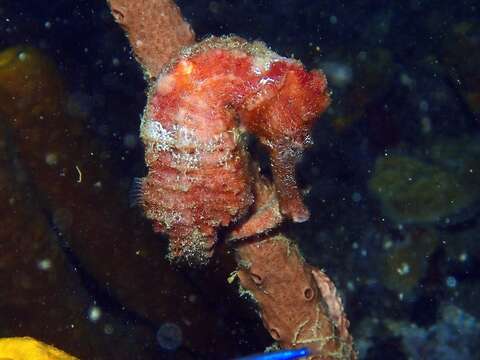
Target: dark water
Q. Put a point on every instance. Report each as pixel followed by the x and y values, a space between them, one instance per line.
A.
pixel 394 180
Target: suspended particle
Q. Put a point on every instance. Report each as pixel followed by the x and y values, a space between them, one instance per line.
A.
pixel 356 197
pixel 94 313
pixel 108 329
pixel 22 56
pixel 44 264
pixel 169 336
pixel 51 159
pixel 451 282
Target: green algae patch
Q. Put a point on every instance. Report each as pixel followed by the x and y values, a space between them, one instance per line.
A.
pixel 445 184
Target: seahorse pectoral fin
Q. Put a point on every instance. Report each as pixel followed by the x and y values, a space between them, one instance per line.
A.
pixel 135 192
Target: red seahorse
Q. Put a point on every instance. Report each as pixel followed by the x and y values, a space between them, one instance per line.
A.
pixel 198 110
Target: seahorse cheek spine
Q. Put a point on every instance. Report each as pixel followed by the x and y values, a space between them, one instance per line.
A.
pixel 199 177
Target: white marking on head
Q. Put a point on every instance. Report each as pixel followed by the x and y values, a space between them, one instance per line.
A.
pixel 165 84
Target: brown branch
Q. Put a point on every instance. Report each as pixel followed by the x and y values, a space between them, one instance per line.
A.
pixel 298 303
pixel 155 28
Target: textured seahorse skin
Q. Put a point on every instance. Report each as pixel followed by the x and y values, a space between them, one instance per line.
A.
pixel 193 129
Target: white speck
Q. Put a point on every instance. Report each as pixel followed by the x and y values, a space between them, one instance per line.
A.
pixel 404 269
pixel 51 159
pixel 115 61
pixel 94 313
pixel 108 329
pixel 406 80
pixel 463 257
pixel 22 56
pixel 265 80
pixel 339 74
pixel 333 20
pixel 48 24
pixel 44 264
pixel 451 281
pixel 387 244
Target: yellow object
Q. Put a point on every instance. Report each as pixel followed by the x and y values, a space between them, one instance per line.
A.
pixel 26 348
pixel 30 85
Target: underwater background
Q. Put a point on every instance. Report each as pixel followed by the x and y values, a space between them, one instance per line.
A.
pixel 392 181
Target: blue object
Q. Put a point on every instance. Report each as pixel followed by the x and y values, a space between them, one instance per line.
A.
pixel 279 355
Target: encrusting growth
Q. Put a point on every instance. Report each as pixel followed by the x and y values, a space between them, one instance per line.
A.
pixel 298 303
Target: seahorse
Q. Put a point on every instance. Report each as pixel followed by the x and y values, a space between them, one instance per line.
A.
pixel 199 109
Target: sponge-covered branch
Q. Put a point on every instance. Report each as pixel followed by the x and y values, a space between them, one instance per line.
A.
pixel 297 302
pixel 155 28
